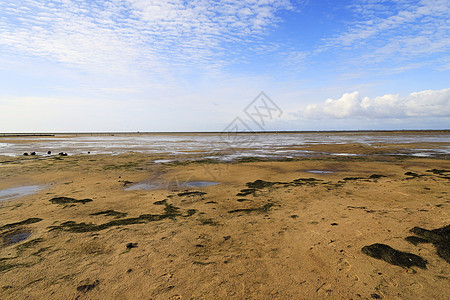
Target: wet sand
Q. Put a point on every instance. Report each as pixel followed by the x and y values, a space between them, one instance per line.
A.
pixel 269 229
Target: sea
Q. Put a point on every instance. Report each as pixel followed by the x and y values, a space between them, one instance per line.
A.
pixel 224 146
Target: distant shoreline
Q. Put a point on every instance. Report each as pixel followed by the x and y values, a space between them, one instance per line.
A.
pixel 221 132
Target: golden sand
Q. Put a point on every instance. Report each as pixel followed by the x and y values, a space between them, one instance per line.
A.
pixel 290 238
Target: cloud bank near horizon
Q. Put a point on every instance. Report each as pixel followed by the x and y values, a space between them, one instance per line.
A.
pixel 428 103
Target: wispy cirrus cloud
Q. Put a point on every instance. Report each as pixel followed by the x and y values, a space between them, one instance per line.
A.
pixel 395 31
pixel 148 35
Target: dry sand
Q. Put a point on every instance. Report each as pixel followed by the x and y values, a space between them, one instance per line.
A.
pixel 292 238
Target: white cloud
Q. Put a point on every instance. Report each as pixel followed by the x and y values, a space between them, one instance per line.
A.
pixel 429 103
pixel 145 34
pixel 395 31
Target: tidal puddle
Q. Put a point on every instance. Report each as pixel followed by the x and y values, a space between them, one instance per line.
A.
pixel 200 183
pixel 19 237
pixel 162 161
pixel 169 185
pixel 319 172
pixel 19 192
pixel 143 186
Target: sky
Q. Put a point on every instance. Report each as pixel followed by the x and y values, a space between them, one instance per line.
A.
pixel 173 65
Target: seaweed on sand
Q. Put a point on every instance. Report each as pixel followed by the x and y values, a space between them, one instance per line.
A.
pixel 111 213
pixel 260 184
pixel 246 192
pixel 170 213
pixel 306 181
pixel 393 256
pixel 439 237
pixel 24 222
pixel 68 200
pixel 192 193
pixel 262 209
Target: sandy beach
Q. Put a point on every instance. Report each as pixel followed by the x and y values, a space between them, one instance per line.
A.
pixel 282 229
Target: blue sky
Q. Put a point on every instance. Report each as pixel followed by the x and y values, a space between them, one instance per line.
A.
pixel 154 65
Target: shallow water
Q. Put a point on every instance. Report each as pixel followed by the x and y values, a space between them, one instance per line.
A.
pixel 169 185
pixel 143 186
pixel 200 183
pixel 19 192
pixel 218 145
pixel 319 172
pixel 19 237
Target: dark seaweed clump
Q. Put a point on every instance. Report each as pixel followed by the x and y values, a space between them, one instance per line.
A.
pixel 162 202
pixel 87 287
pixel 111 213
pixel 68 200
pixel 25 222
pixel 262 209
pixel 439 237
pixel 306 181
pixel 246 192
pixel 193 193
pixel 170 213
pixel 393 256
pixel 352 178
pixel 376 176
pixel 412 174
pixel 439 171
pixel 260 184
pixel 442 172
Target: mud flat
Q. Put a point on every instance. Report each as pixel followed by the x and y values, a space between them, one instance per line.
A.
pixel 371 226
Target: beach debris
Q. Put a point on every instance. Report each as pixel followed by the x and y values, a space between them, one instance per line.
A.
pixel 376 176
pixel 393 256
pixel 334 224
pixel 33 153
pixel 68 200
pixel 439 237
pixel 49 152
pixel 25 154
pixel 62 154
pixel 131 245
pixel 87 287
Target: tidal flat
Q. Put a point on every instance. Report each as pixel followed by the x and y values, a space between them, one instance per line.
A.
pixel 327 226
